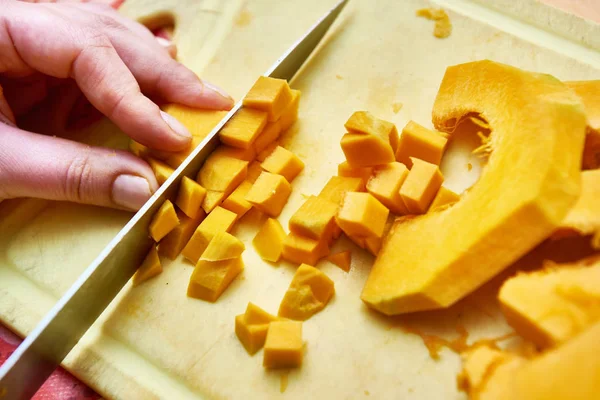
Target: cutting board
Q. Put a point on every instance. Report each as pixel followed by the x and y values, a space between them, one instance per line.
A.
pixel 153 341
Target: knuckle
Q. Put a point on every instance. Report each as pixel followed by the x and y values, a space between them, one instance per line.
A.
pixel 78 177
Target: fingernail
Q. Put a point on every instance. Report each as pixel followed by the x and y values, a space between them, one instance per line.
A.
pixel 130 191
pixel 163 42
pixel 217 90
pixel 175 125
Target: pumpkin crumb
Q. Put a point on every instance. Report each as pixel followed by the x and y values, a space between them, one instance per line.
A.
pixel 443 26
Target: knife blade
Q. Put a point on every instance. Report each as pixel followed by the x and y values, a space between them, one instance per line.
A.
pixel 64 325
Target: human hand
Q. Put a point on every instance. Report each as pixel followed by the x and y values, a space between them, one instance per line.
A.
pixel 63 50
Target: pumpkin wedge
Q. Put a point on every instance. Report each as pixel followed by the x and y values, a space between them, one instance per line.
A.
pixel 531 181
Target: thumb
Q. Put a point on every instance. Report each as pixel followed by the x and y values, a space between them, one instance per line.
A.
pixel 33 165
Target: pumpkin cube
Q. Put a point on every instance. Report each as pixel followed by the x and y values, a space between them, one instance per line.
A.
pixel 212 200
pixel 138 149
pixel 309 293
pixel 251 327
pixel 210 278
pixel 269 193
pixel 302 250
pixel 199 122
pixel 336 188
pixel 164 221
pixel 444 197
pixel 342 259
pixel 256 315
pixel 362 215
pixel 283 345
pixel 269 135
pixel 359 241
pixel 150 268
pixel 174 160
pixel 373 244
pixel 283 162
pixel 243 128
pixel 266 152
pixel 366 123
pixel 223 246
pixel 254 171
pixel 221 173
pixel 315 219
pixel 236 201
pixel 268 242
pixel 234 152
pixel 421 185
pixel 219 220
pixel 172 244
pixel 161 170
pixel 344 169
pixel 190 197
pixel 419 142
pixel 270 95
pixel 290 114
pixel 366 150
pixel 385 185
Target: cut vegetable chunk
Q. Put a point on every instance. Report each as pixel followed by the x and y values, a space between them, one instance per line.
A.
pixel 254 171
pixel 444 197
pixel 172 244
pixel 283 162
pixel 342 259
pixel 269 193
pixel 385 185
pixel 309 293
pixel 344 169
pixel 315 219
pixel 362 215
pixel 223 246
pixel 221 173
pixel 270 95
pixel 366 150
pixel 300 249
pixel 243 128
pixel 212 200
pixel 236 201
pixel 234 152
pixel 336 188
pixel 268 242
pixel 479 364
pixel 584 217
pixel 269 135
pixel 421 185
pixel 366 123
pixel 138 149
pixel 266 152
pixel 149 269
pixel 164 221
pixel 283 346
pixel 161 170
pixel 422 143
pixel 199 122
pixel 190 197
pixel 219 220
pixel 290 114
pixel 174 160
pixel 251 327
pixel 589 93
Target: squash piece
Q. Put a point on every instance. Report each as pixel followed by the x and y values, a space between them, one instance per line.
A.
pixel 315 219
pixel 589 93
pixel 266 152
pixel 174 160
pixel 269 193
pixel 199 122
pixel 302 250
pixel 337 186
pixel 421 185
pixel 252 326
pixel 283 346
pixel 283 162
pixel 254 171
pixel 138 149
pixel 256 315
pixel 236 201
pixel 221 173
pixel 234 152
pixel 344 169
pixel 551 306
pixel 444 197
pixel 161 170
pixel 359 241
pixel 223 246
pixel 269 135
pixel 309 293
pixel 362 215
pixel 212 200
pixel 422 143
pixel 270 95
pixel 366 123
pixel 342 259
pixel 172 244
pixel 149 269
pixel 190 197
pixel 530 183
pixel 290 114
pixel 268 242
pixel 385 185
pixel 164 221
pixel 219 220
pixel 243 128
pixel 366 150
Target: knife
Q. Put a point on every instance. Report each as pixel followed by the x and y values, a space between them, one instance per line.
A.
pixel 62 327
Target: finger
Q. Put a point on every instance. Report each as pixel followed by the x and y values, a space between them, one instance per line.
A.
pixel 6 114
pixel 168 45
pixel 58 169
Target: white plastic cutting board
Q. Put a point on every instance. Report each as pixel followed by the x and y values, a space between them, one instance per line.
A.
pixel 153 341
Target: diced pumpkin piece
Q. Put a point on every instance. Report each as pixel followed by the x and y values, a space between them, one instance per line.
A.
pixel 210 278
pixel 269 135
pixel 223 246
pixel 283 162
pixel 529 185
pixel 373 244
pixel 190 197
pixel 212 200
pixel 256 315
pixel 221 173
pixel 254 171
pixel 174 160
pixel 315 219
pixel 366 123
pixel 366 150
pixel 290 114
pixel 199 122
pixel 236 201
pixel 551 306
pixel 252 336
pixel 219 220
pixel 342 259
pixel 164 221
pixel 266 152
pixel 336 188
pixel 359 241
pixel 234 152
pixel 268 242
pixel 584 217
pixel 444 197
pixel 589 93
pixel 270 95
pixel 344 169
pixel 161 170
pixel 149 269
pixel 385 185
pixel 243 128
pixel 283 346
pixel 172 244
pixel 309 293
pixel 138 149
pixel 421 185
pixel 269 193
pixel 362 215
pixel 419 142
pixel 302 250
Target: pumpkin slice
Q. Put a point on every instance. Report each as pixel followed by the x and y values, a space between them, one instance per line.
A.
pixel 589 92
pixel 530 183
